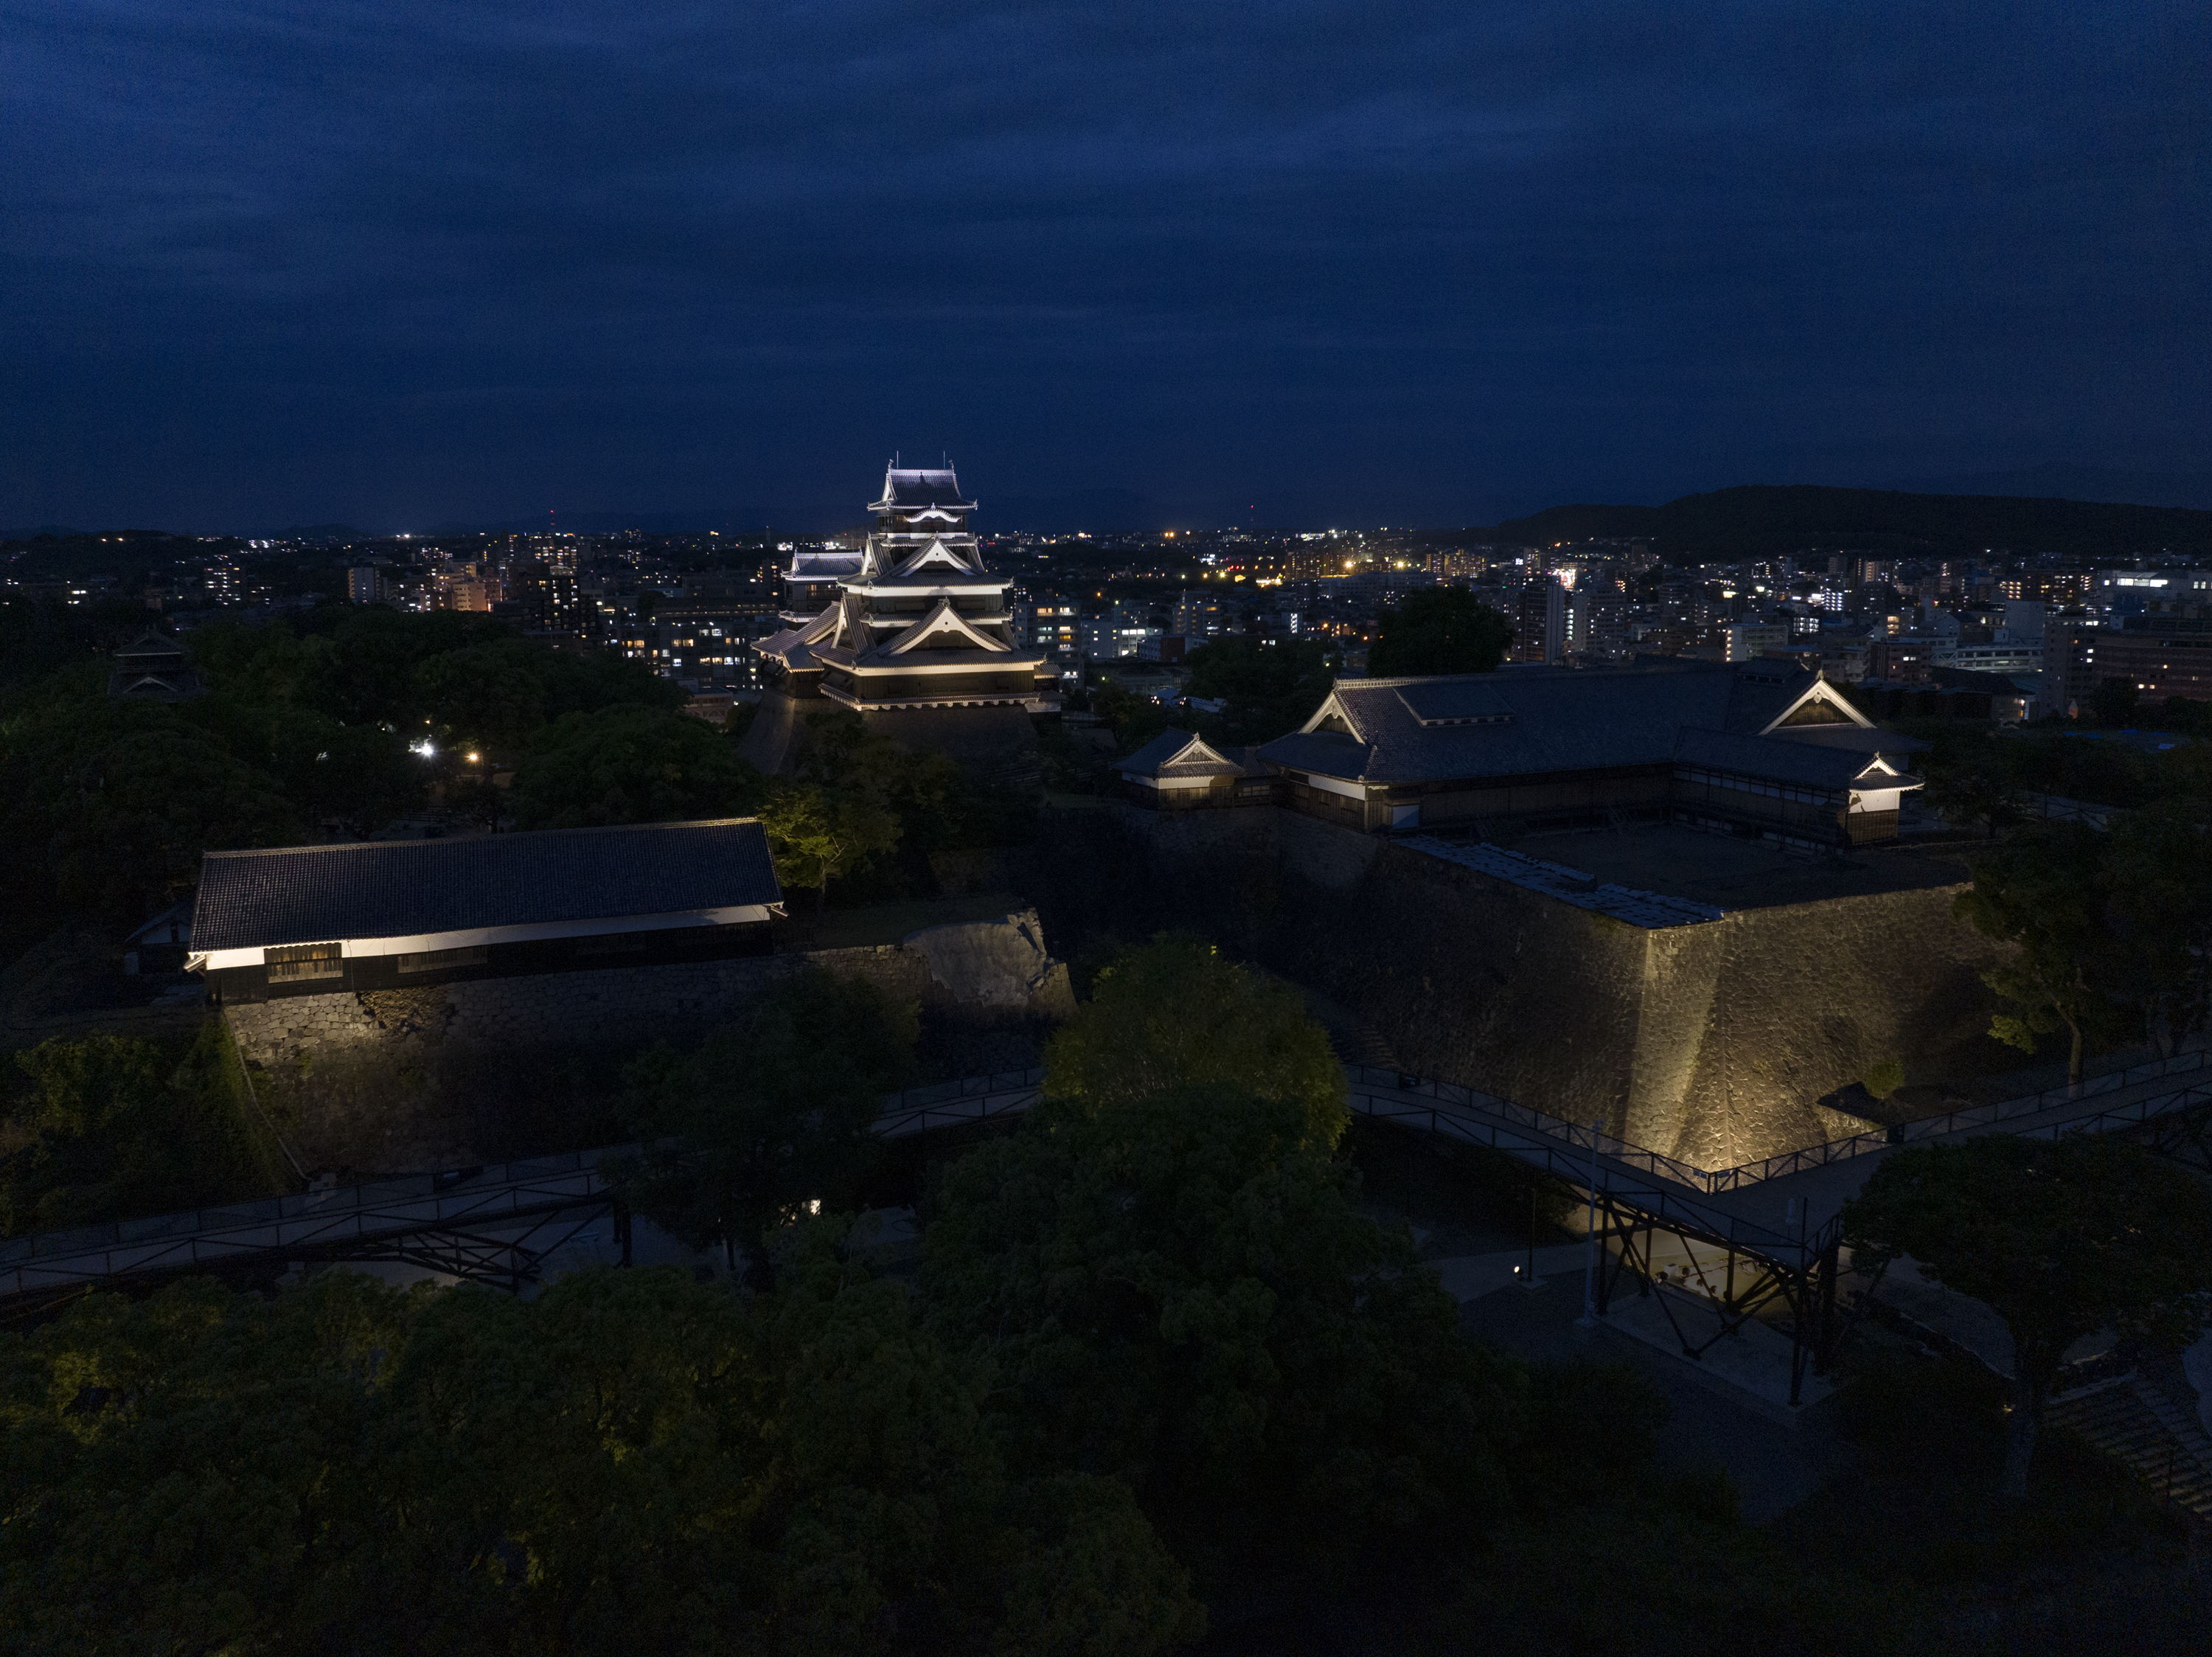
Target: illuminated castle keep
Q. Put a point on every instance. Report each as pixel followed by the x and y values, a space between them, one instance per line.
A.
pixel 913 621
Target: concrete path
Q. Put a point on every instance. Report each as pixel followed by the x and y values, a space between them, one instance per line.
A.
pixel 1712 1424
pixel 1751 1367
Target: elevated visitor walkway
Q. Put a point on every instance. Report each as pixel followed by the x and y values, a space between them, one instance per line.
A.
pixel 1735 1239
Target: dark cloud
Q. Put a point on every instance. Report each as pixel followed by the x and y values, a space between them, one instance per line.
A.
pixel 399 262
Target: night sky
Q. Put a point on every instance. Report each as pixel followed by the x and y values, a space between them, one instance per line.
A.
pixel 397 265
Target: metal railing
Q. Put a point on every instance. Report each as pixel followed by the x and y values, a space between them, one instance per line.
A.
pixel 2010 1109
pixel 309 1221
pixel 1372 1083
pixel 387 1208
pixel 1397 1086
pixel 947 1104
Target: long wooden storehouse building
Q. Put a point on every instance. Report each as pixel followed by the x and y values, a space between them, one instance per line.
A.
pixel 383 915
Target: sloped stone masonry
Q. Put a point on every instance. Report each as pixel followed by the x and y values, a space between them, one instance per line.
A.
pixel 1710 1042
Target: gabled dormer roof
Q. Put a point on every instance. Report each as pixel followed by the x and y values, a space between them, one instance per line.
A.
pixel 938 556
pixel 943 628
pixel 1174 753
pixel 1817 704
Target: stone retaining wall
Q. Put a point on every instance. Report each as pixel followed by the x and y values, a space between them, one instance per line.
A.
pixel 1710 1042
pixel 981 971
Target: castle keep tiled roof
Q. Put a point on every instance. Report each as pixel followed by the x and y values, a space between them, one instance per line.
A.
pixel 406 888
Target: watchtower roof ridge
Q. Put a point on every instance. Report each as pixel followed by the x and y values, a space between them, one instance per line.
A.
pixel 920 486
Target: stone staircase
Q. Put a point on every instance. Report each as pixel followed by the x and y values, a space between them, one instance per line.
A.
pixel 2134 1422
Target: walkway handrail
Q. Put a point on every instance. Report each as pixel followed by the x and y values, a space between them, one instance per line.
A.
pixel 1365 1078
pixel 302 1205
pixel 387 1206
pixel 1711 1181
pixel 1984 1116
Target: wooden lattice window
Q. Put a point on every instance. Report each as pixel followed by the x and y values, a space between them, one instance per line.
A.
pixel 292 962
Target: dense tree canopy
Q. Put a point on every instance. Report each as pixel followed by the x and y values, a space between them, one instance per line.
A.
pixel 2158 878
pixel 2060 1237
pixel 1438 630
pixel 771 1113
pixel 2044 891
pixel 630 764
pixel 301 730
pixel 111 1127
pixel 631 1462
pixel 1176 1014
pixel 1179 1288
pixel 1271 686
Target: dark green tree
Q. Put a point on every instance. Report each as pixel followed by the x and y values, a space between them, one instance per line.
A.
pixel 632 1461
pixel 360 776
pixel 1971 787
pixel 2116 702
pixel 629 763
pixel 130 817
pixel 490 695
pixel 1136 719
pixel 818 834
pixel 1176 1014
pixel 2159 876
pixel 1271 686
pixel 1438 630
pixel 110 1127
pixel 771 1116
pixel 2060 1237
pixel 2044 891
pixel 1180 1287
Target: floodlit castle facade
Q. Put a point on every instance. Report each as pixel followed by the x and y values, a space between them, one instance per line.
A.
pixel 913 621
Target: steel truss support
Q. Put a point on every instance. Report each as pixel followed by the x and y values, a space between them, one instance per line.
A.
pixel 507 1262
pixel 2185 1137
pixel 1735 1292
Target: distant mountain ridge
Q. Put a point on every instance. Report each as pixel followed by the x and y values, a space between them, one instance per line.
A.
pixel 1768 521
pixel 1722 526
pixel 2068 481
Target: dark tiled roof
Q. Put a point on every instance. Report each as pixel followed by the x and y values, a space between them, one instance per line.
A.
pixel 1545 721
pixel 403 888
pixel 150 647
pixel 1538 723
pixel 1330 752
pixel 1179 753
pixel 823 566
pixel 1858 738
pixel 1777 762
pixel 922 487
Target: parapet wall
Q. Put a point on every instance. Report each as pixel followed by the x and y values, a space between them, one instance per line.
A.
pixel 1711 1042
